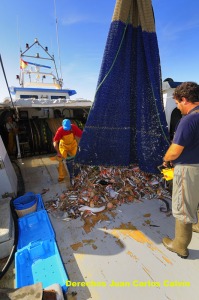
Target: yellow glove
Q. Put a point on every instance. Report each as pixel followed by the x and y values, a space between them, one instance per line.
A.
pixel 168 173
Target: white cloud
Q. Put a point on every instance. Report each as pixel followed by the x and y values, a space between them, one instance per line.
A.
pixel 172 32
pixel 74 19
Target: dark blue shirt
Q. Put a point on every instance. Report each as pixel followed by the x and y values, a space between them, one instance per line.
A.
pixel 187 135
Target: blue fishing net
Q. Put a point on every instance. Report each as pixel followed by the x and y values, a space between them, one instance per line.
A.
pixel 126 124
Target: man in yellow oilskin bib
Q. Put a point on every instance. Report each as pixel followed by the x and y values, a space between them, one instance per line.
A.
pixel 65 144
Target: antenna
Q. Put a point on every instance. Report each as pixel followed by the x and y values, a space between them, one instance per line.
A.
pixel 18 33
pixel 56 21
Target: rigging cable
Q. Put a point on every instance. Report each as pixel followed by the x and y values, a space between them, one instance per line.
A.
pixel 6 81
pixel 115 58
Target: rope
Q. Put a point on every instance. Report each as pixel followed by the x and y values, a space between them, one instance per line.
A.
pixel 118 51
pixel 155 101
pixel 159 118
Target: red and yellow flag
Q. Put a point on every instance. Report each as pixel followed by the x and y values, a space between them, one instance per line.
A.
pixel 23 64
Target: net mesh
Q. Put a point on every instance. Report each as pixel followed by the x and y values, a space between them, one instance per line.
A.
pixel 127 123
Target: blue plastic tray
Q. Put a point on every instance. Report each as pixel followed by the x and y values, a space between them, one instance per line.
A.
pixel 34 227
pixel 40 262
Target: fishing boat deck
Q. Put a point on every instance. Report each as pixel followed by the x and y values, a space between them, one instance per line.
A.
pixel 116 254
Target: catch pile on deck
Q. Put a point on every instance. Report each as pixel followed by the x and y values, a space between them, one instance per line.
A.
pixel 98 189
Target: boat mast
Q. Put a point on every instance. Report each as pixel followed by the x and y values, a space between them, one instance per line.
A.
pixel 58 46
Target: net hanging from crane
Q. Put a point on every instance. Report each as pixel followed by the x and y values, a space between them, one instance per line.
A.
pixel 127 124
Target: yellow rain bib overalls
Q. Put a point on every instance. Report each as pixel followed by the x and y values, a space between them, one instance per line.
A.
pixel 67 145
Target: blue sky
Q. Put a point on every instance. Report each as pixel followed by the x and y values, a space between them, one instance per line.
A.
pixel 83 27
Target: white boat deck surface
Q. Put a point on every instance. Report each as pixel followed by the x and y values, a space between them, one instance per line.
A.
pixel 121 255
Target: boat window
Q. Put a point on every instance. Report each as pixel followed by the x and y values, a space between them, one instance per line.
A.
pixel 28 96
pixel 58 97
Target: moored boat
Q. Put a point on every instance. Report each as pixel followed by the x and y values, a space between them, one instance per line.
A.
pixel 40 102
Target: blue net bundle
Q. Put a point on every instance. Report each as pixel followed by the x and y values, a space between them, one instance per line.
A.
pixel 127 124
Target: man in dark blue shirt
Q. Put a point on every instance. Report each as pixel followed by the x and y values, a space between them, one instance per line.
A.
pixel 184 155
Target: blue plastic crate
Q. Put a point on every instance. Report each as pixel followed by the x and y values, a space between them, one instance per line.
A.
pixel 34 227
pixel 40 262
pixel 40 204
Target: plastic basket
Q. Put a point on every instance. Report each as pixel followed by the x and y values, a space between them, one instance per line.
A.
pixel 25 204
pixel 23 212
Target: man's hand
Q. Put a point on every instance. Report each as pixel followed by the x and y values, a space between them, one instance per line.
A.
pixel 167 164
